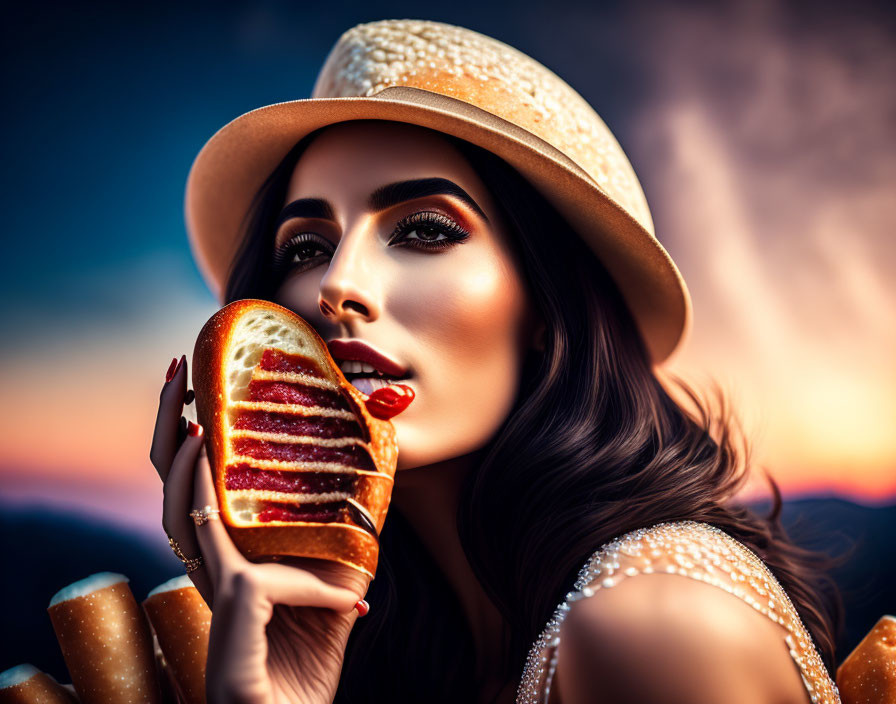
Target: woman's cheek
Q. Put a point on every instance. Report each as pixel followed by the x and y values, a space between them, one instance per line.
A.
pixel 465 328
pixel 299 293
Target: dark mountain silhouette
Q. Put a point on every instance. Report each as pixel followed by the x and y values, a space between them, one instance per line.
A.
pixel 45 550
pixel 867 535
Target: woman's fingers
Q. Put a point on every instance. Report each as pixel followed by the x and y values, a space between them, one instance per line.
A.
pixel 181 431
pixel 221 556
pixel 177 504
pixel 328 585
pixel 294 586
pixel 171 403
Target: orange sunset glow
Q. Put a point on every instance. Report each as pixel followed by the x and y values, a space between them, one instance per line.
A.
pixel 776 199
pixel 767 156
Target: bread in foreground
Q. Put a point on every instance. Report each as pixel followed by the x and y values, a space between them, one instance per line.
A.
pixel 301 467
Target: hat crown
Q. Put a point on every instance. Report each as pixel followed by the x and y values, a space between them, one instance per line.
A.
pixel 491 75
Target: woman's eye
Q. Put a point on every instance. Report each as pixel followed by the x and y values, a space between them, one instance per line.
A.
pixel 428 230
pixel 300 249
pixel 425 234
pixel 422 230
pixel 305 251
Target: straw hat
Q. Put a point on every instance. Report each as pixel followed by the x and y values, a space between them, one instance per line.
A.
pixel 465 84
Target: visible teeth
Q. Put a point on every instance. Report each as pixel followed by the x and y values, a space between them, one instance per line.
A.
pixel 352 366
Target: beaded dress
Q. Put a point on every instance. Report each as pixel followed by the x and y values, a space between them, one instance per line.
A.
pixel 697 550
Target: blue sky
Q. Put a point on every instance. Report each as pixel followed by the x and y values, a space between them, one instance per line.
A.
pixel 108 106
pixel 761 132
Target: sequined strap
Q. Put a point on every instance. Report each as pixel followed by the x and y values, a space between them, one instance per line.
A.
pixel 697 550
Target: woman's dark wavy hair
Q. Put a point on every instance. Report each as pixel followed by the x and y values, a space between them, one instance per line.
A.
pixel 594 447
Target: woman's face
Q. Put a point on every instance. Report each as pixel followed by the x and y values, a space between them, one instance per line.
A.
pixel 414 271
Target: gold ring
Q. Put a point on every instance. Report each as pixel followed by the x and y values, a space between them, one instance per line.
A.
pixel 192 564
pixel 203 515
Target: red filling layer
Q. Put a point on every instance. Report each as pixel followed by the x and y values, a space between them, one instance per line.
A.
pixel 313 426
pixel 318 513
pixel 288 392
pixel 242 476
pixel 351 455
pixel 275 360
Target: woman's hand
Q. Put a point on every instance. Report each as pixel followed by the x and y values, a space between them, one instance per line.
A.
pixel 278 630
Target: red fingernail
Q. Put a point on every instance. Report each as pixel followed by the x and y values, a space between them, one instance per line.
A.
pixel 389 401
pixel 171 369
pixel 363 607
pixel 183 358
pixel 194 429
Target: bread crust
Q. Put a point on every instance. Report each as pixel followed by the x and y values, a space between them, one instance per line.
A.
pixel 341 542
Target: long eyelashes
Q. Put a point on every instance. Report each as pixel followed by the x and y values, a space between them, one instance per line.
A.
pixel 428 221
pixel 309 246
pixel 308 242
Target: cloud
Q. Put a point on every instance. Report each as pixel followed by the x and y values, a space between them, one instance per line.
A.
pixel 771 171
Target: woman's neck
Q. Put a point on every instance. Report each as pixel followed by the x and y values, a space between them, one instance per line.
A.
pixel 428 498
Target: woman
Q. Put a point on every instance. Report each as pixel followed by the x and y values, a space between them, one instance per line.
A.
pixel 467 215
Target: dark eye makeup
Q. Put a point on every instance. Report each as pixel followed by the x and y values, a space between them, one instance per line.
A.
pixel 426 230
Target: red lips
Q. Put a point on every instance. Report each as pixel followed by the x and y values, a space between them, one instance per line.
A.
pixel 362 352
pixel 388 402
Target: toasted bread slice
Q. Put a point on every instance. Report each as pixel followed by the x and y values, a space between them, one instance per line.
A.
pixel 301 468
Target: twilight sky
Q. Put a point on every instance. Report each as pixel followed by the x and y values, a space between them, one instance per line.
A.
pixel 763 137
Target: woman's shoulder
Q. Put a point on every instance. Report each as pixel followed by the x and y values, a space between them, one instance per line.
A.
pixel 666 638
pixel 695 617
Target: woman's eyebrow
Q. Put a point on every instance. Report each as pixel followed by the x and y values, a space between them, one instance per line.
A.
pixel 395 193
pixel 382 198
pixel 306 208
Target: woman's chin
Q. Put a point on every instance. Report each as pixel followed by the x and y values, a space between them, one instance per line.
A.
pixel 416 447
pixel 408 448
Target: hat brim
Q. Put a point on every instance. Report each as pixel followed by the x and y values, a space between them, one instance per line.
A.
pixel 236 161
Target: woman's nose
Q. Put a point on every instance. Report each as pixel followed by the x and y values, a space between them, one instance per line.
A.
pixel 347 289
